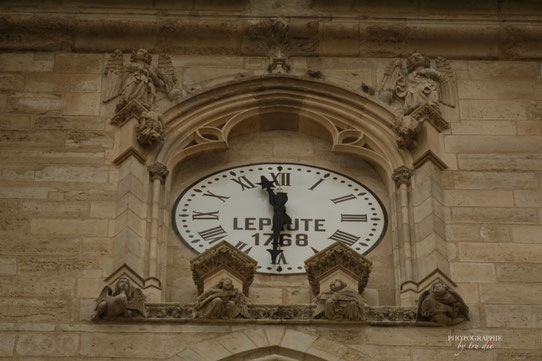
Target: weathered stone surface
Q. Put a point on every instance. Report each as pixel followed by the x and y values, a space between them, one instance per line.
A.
pixel 502 70
pixel 500 252
pixel 15 121
pixel 211 349
pixel 490 162
pixel 483 198
pixel 496 89
pixel 472 272
pixel 8 266
pixel 78 63
pixel 37 286
pixel 495 180
pixel 492 144
pixel 81 104
pixel 88 227
pixel 495 215
pixel 513 316
pixel 53 82
pixel 296 340
pixel 47 345
pixel 7 344
pixel 23 62
pixel 72 174
pixel 493 109
pixel 524 198
pixel 534 111
pixel 414 336
pixel 524 273
pixel 338 350
pixel 452 354
pixel 236 342
pixel 52 209
pixel 34 103
pixel 518 355
pixel 527 234
pixel 509 293
pixel 484 128
pixel 533 127
pixel 78 123
pixel 31 309
pixel 11 82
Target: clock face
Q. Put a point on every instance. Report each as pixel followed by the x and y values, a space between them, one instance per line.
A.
pixel 324 207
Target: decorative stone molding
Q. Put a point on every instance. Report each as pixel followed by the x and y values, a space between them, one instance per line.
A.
pixel 158 170
pixel 402 175
pixel 150 129
pixel 220 261
pixel 338 261
pixel 133 109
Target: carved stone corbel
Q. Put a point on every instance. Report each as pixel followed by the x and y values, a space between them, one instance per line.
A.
pixel 223 261
pixel 338 261
pixel 441 305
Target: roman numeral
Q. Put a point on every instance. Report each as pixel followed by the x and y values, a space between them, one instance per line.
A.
pixel 243 182
pixel 211 194
pixel 284 179
pixel 205 215
pixel 344 237
pixel 282 259
pixel 316 184
pixel 343 198
pixel 242 245
pixel 353 218
pixel 213 235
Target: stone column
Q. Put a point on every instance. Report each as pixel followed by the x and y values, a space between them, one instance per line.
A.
pixel 401 176
pixel 158 173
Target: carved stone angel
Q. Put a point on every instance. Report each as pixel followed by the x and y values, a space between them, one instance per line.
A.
pixel 222 301
pixel 125 301
pixel 421 89
pixel 339 303
pixel 137 80
pixel 441 305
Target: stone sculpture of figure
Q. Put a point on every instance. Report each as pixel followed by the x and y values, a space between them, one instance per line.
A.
pixel 222 301
pixel 150 129
pixel 441 305
pixel 137 80
pixel 125 301
pixel 339 303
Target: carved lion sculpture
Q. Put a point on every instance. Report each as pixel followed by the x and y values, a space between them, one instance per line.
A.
pixel 339 303
pixel 222 301
pixel 441 305
pixel 125 301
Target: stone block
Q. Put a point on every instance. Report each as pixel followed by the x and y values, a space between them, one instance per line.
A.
pixel 493 109
pixel 7 344
pixel 34 103
pixel 78 63
pixel 257 336
pixel 81 104
pixel 66 83
pixel 80 227
pixel 73 174
pixel 274 334
pixel 511 293
pixel 411 336
pixel 494 215
pixel 89 287
pixel 513 316
pixel 485 127
pixel 37 286
pixel 496 89
pixel 26 62
pixel 55 209
pixel 323 354
pixel 528 198
pixel 492 144
pixel 500 252
pixel 266 295
pixel 520 162
pixel 534 111
pixel 453 354
pixel 66 123
pixel 495 233
pixel 211 350
pixel 236 342
pixel 103 209
pixel 11 82
pixel 8 266
pixel 527 234
pixel 531 127
pixel 340 39
pixel 472 272
pixel 502 70
pixel 298 295
pixel 297 340
pixel 44 345
pixel 24 192
pixel 15 121
pixel 338 350
pixel 474 198
pixel 463 232
pixel 518 355
pixel 133 345
pixel 17 175
pixel 524 273
pixel 32 309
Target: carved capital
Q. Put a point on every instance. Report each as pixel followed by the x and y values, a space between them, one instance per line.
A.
pixel 158 170
pixel 337 257
pixel 223 257
pixel 402 175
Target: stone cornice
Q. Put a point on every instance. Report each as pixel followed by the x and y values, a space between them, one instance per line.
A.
pixel 226 33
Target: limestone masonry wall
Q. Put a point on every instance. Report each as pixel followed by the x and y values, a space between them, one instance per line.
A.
pixel 60 189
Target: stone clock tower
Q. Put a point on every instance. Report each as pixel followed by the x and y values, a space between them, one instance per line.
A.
pixel 311 180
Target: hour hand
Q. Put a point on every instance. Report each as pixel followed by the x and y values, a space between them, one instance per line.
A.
pixel 265 183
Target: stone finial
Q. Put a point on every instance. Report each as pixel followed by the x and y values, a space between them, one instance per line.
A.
pixel 158 170
pixel 223 261
pixel 402 175
pixel 338 261
pixel 441 305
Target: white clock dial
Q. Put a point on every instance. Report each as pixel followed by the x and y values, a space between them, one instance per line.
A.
pixel 324 206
